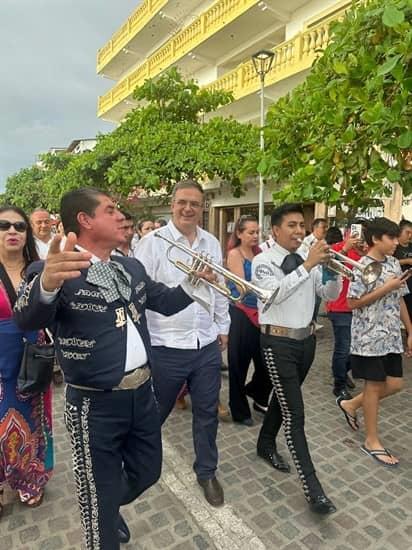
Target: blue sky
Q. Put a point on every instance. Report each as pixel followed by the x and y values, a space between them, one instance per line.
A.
pixel 48 85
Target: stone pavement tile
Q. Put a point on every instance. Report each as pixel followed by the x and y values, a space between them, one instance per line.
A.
pixel 51 543
pixel 6 543
pixel 312 542
pixel 29 534
pixel 358 541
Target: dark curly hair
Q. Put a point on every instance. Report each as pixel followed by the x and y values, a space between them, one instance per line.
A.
pixel 29 251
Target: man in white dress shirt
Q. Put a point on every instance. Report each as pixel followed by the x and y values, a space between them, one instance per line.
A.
pixel 288 341
pixel 187 346
pixel 42 230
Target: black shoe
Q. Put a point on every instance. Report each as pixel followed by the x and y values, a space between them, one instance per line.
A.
pixel 259 408
pixel 342 393
pixel 123 530
pixel 213 491
pixel 245 422
pixel 350 383
pixel 274 459
pixel 321 505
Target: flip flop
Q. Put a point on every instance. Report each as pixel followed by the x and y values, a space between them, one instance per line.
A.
pixel 351 420
pixel 33 502
pixel 376 453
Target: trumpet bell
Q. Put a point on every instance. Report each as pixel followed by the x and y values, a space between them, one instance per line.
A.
pixel 371 273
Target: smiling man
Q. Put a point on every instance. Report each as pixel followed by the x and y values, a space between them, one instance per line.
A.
pixel 187 346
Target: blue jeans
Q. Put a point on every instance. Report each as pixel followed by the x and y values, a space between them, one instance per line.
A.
pixel 341 323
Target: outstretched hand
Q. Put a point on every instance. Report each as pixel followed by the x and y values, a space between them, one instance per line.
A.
pixel 62 265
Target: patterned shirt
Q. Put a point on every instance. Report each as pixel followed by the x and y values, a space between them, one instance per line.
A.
pixel 376 328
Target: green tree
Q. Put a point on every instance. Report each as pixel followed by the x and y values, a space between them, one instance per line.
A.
pixel 341 136
pixel 156 145
pixel 26 189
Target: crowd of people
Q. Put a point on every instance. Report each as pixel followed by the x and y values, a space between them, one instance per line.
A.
pixel 133 331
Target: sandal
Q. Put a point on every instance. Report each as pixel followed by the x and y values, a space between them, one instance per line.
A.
pixel 376 453
pixel 32 502
pixel 351 420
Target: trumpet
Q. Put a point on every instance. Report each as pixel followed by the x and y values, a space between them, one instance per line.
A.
pixel 369 273
pixel 201 260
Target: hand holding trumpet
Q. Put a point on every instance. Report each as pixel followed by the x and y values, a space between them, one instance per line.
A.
pixel 319 253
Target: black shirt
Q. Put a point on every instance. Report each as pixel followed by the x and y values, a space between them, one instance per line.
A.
pixel 403 253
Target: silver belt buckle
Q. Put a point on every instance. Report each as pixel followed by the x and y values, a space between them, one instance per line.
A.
pixel 135 379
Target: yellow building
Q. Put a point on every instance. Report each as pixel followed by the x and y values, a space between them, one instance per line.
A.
pixel 213 41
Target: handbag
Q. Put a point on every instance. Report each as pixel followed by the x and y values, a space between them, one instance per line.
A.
pixel 36 367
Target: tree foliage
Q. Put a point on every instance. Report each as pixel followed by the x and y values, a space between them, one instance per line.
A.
pixel 26 189
pixel 340 137
pixel 157 144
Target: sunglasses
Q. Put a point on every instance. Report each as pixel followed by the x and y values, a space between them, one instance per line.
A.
pixel 18 226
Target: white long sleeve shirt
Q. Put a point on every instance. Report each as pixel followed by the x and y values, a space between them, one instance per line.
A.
pixel 296 292
pixel 193 327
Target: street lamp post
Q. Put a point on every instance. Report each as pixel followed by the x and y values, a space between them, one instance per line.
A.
pixel 262 62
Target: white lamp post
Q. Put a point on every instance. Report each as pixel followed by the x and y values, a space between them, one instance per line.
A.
pixel 262 62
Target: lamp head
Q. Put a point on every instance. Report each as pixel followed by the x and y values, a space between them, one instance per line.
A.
pixel 262 62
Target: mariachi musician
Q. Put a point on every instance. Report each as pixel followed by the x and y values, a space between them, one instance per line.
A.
pixel 97 308
pixel 288 341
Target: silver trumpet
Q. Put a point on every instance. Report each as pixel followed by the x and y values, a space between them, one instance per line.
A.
pixel 202 260
pixel 369 273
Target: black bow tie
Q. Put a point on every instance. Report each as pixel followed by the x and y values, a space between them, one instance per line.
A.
pixel 291 262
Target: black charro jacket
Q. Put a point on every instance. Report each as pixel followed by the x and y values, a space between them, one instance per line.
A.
pixel 90 334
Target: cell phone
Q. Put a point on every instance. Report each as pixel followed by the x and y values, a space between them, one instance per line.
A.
pixel 406 274
pixel 356 230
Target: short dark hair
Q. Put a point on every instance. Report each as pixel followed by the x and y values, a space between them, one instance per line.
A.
pixel 378 227
pixel 85 199
pixel 29 250
pixel 161 221
pixel 187 184
pixel 333 235
pixel 404 223
pixel 318 221
pixel 141 223
pixel 281 211
pixel 127 216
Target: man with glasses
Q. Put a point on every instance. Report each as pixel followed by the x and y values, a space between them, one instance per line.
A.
pixel 187 346
pixel 42 229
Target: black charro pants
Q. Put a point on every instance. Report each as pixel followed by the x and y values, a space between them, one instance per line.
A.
pixel 288 362
pixel 117 454
pixel 243 347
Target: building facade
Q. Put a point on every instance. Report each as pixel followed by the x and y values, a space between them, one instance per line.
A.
pixel 212 41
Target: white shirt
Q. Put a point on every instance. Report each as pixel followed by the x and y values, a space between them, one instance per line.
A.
pixel 136 355
pixel 42 248
pixel 194 325
pixel 295 301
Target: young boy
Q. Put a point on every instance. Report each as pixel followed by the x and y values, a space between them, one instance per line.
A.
pixel 376 343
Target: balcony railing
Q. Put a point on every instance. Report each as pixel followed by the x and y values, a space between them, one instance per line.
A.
pixel 291 57
pixel 215 18
pixel 139 18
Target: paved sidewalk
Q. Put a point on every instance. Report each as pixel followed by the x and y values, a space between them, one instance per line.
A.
pixel 265 509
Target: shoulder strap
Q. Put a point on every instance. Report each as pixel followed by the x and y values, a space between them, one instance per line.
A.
pixel 8 285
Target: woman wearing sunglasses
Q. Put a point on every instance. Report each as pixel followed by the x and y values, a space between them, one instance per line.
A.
pixel 26 449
